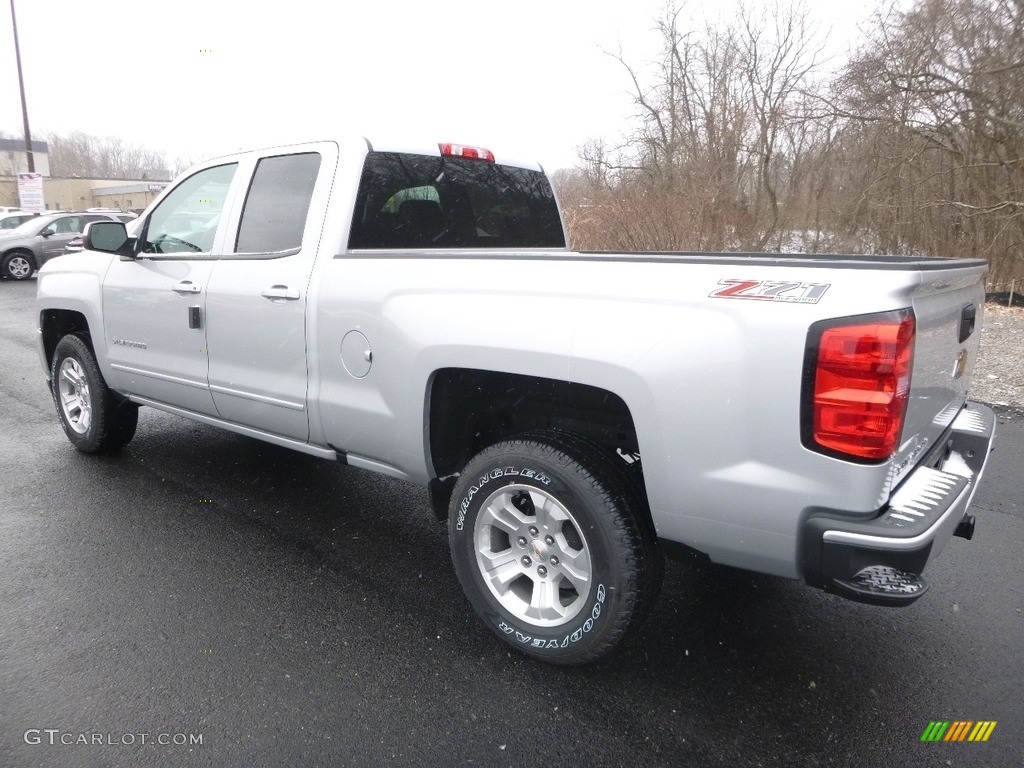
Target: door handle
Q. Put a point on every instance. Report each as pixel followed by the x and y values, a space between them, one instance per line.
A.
pixel 279 293
pixel 186 286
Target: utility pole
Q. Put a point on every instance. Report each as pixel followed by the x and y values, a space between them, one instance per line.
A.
pixel 24 107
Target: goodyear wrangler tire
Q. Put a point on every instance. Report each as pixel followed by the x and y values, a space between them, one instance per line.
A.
pixel 549 544
pixel 95 419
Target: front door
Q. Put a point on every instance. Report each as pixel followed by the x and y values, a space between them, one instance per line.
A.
pixel 155 304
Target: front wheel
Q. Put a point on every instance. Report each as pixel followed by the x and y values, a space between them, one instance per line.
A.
pixel 18 266
pixel 95 419
pixel 550 546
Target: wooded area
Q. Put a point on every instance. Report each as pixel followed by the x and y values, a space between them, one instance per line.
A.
pixel 745 139
pixel 78 154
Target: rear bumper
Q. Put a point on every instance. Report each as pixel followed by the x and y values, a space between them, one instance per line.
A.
pixel 880 561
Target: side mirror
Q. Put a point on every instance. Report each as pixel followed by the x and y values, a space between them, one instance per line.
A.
pixel 107 237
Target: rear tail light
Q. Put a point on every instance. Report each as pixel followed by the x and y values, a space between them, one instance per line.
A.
pixel 856 385
pixel 460 150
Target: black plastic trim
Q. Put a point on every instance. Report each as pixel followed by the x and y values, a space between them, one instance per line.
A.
pixel 968 318
pixel 799 261
pixel 866 593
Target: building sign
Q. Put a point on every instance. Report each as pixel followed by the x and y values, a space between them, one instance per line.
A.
pixel 30 192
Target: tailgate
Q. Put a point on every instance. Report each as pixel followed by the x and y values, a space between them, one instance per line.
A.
pixel 948 307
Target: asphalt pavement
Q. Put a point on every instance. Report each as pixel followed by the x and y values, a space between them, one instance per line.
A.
pixel 206 599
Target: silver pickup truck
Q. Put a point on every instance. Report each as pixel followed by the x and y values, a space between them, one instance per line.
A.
pixel 415 311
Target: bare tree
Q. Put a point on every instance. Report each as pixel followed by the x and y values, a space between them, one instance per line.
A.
pixel 718 123
pixel 935 101
pixel 779 55
pixel 916 146
pixel 81 154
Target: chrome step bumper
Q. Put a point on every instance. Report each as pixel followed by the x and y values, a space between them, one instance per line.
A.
pixel 880 561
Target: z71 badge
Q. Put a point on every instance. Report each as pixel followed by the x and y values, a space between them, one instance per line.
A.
pixel 770 290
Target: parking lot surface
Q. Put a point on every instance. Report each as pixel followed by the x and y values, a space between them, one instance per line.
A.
pixel 291 611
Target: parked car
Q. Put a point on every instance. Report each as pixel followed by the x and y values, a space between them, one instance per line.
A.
pixel 124 216
pixel 15 219
pixel 26 248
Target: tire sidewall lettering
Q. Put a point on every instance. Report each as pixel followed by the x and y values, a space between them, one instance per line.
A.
pixel 559 641
pixel 596 495
pixel 484 480
pixel 586 624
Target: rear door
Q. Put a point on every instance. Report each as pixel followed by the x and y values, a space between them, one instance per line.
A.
pixel 258 291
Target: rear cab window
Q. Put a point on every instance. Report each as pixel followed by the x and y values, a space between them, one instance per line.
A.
pixel 411 201
pixel 277 204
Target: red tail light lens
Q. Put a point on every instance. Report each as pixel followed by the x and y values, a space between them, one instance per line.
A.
pixel 860 373
pixel 461 150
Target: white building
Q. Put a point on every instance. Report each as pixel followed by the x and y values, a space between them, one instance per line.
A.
pixel 13 159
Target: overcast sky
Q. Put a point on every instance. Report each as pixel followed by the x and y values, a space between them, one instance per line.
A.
pixel 197 78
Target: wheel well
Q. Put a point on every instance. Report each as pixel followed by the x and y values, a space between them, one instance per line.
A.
pixel 58 323
pixel 472 409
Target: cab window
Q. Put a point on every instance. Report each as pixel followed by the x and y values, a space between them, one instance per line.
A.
pixel 421 201
pixel 186 220
pixel 277 203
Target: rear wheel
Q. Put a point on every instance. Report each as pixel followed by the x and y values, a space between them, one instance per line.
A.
pixel 18 266
pixel 549 543
pixel 95 419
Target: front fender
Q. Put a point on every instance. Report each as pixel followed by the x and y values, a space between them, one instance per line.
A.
pixel 73 284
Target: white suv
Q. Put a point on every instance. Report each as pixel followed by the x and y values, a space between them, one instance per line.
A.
pixel 12 219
